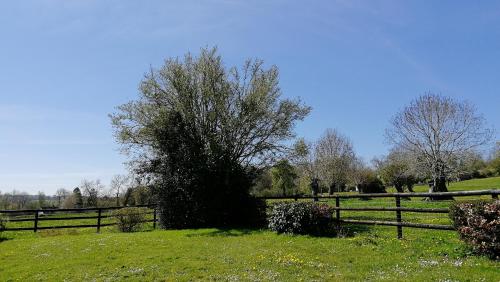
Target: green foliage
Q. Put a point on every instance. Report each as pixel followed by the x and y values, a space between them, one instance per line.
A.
pixel 77 197
pixel 42 199
pixel 128 198
pixel 478 224
pixel 301 218
pixel 263 184
pixel 130 219
pixel 370 183
pixel 140 195
pixel 396 169
pixel 304 185
pixel 198 129
pixel 494 166
pixel 283 177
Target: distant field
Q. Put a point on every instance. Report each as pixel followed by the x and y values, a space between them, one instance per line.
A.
pixel 371 253
pixel 473 184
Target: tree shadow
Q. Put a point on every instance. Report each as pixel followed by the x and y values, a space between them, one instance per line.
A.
pixel 341 231
pixel 227 232
pixel 351 230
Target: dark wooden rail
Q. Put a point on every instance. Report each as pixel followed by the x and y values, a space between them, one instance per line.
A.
pixel 36 218
pixel 399 223
pixel 398 209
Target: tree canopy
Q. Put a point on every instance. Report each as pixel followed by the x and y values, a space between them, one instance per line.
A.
pixel 438 131
pixel 198 129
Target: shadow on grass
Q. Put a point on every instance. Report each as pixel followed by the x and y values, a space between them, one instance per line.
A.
pixel 3 239
pixel 227 232
pixel 341 232
pixel 352 230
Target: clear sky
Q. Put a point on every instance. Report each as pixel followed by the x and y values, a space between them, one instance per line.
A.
pixel 65 65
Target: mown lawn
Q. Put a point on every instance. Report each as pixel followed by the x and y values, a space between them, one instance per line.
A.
pixel 370 253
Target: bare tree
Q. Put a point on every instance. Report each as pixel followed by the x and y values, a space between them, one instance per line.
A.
pixel 91 191
pixel 335 157
pixel 438 130
pixel 61 195
pixel 118 185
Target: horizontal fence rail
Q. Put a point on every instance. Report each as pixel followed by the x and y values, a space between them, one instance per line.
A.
pixel 493 192
pixel 399 223
pixel 37 218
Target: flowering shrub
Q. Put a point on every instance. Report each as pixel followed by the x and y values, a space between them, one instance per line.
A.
pixel 301 218
pixel 130 219
pixel 478 224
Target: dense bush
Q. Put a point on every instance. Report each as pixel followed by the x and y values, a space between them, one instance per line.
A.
pixel 130 219
pixel 374 185
pixel 478 224
pixel 301 218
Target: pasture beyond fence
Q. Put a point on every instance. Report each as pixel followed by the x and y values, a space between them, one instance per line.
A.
pixel 43 215
pixel 399 223
pixel 35 216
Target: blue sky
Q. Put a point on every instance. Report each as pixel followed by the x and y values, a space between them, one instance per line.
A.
pixel 65 65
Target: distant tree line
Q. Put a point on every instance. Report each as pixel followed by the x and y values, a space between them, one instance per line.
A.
pixel 435 140
pixel 122 191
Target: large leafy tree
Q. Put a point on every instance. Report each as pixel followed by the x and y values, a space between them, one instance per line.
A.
pixel 283 177
pixel 198 129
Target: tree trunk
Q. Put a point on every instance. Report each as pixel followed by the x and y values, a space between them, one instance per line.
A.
pixel 410 187
pixel 399 187
pixel 440 186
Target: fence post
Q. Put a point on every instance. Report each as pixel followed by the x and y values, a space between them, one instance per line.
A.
pixel 398 217
pixel 99 220
pixel 35 226
pixel 337 211
pixel 154 218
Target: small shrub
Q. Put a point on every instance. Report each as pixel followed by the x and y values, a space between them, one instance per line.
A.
pixel 301 218
pixel 130 219
pixel 478 224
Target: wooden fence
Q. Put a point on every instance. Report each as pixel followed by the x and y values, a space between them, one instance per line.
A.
pixel 37 218
pixel 399 223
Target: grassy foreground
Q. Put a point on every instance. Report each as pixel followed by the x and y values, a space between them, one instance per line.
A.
pixel 234 255
pixel 370 254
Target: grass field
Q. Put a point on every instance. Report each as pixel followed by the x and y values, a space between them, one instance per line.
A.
pixel 372 253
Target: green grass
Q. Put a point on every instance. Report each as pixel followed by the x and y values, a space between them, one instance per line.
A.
pixel 212 254
pixel 372 253
pixel 473 184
